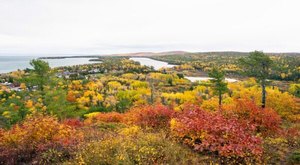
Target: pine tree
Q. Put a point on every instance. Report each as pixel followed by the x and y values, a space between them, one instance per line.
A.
pixel 258 65
pixel 218 82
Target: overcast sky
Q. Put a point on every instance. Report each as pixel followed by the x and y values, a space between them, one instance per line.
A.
pixel 115 26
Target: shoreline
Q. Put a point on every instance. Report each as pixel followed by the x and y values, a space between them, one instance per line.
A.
pixel 63 57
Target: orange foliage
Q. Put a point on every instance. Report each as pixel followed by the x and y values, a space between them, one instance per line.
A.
pixel 105 117
pixel 71 97
pixel 36 134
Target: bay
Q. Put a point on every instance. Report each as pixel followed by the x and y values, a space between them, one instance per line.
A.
pixel 13 63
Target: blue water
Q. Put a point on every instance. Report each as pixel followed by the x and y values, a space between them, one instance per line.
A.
pixel 13 63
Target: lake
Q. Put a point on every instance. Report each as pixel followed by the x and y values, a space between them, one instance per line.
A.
pixel 160 64
pixel 195 79
pixel 13 63
pixel 150 62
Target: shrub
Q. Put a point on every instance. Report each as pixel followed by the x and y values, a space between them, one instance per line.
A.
pixel 275 150
pixel 212 132
pixel 283 103
pixel 211 104
pixel 292 134
pixel 136 147
pixel 266 121
pixel 156 116
pixel 295 157
pixel 39 133
pixel 74 123
pixel 104 117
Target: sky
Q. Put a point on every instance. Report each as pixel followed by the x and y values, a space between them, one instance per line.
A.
pixel 40 27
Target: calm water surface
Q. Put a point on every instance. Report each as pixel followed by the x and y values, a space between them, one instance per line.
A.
pixel 12 63
pixel 150 62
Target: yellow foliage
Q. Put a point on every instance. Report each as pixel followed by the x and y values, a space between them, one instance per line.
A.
pixel 91 115
pixel 211 104
pixel 29 104
pixel 6 114
pixel 113 85
pixel 23 86
pixel 130 131
pixel 283 103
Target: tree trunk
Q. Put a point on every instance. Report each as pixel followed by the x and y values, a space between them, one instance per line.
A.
pixel 152 92
pixel 263 93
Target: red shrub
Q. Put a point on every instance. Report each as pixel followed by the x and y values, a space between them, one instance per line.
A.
pixel 212 132
pixel 157 116
pixel 74 123
pixel 267 121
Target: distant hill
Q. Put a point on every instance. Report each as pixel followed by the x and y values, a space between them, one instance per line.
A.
pixel 231 53
pixel 145 54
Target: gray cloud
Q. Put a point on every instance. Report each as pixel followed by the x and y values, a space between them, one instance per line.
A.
pixel 100 26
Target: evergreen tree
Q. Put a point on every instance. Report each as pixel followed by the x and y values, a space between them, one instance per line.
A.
pixel 218 82
pixel 258 65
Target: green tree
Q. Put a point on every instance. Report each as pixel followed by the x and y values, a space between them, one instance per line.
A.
pixel 218 82
pixel 170 81
pixel 257 65
pixel 40 75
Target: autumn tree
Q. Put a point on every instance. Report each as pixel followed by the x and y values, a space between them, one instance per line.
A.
pixel 218 82
pixel 257 65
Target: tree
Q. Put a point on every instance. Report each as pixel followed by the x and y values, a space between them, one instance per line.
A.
pixel 39 75
pixel 257 65
pixel 218 82
pixel 170 81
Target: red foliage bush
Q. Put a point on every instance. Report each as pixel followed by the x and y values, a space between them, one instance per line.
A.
pixel 26 141
pixel 212 132
pixel 266 121
pixel 156 116
pixel 74 123
pixel 292 134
